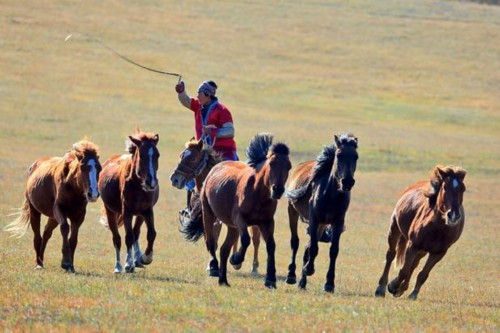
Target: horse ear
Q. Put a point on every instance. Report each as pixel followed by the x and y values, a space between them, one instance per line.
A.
pixel 134 141
pixel 200 144
pixel 156 138
pixel 336 141
pixel 441 171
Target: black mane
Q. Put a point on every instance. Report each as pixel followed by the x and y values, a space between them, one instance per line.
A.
pixel 324 161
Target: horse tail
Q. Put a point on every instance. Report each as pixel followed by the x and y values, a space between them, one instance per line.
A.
pixel 192 223
pixel 297 193
pixel 20 225
pixel 400 252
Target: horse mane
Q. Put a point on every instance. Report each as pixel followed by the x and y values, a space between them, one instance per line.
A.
pixel 79 150
pixel 324 161
pixel 261 147
pixel 437 176
pixel 139 135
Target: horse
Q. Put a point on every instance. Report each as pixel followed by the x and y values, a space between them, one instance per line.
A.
pixel 129 187
pixel 194 163
pixel 319 192
pixel 240 195
pixel 59 188
pixel 428 219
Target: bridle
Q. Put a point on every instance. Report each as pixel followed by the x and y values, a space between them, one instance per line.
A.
pixel 187 171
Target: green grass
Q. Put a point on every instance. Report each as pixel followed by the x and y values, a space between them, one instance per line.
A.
pixel 417 83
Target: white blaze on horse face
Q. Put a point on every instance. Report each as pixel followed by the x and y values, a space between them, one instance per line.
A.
pixel 187 152
pixel 455 183
pixel 93 178
pixel 151 169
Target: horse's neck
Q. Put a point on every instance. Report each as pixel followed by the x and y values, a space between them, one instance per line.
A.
pixel 67 169
pixel 198 180
pixel 130 168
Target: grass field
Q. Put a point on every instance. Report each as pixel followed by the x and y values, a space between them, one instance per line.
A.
pixel 416 81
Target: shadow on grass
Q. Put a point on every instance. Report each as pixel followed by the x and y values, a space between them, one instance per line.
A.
pixel 139 274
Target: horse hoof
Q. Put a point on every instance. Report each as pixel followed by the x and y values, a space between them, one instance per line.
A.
pixel 224 284
pixel 270 284
pixel 255 271
pixel 303 283
pixel 129 269
pixel 237 267
pixel 147 259
pixel 329 288
pixel 138 264
pixel 413 296
pixel 291 279
pixel 213 272
pixel 68 267
pixel 235 260
pixel 38 267
pixel 117 271
pixel 380 292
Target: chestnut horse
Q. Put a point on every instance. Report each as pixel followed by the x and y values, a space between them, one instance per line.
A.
pixel 129 187
pixel 428 219
pixel 59 188
pixel 241 195
pixel 195 162
pixel 319 193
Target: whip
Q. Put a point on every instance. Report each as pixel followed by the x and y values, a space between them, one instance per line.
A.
pixel 125 58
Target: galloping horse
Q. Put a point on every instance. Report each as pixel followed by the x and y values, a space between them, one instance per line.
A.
pixel 244 194
pixel 129 186
pixel 319 193
pixel 195 162
pixel 428 218
pixel 59 188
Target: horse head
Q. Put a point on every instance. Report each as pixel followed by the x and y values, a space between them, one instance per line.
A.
pixel 145 159
pixel 279 167
pixel 447 183
pixel 89 168
pixel 344 164
pixel 193 161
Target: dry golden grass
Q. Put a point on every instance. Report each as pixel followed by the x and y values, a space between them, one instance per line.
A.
pixel 416 81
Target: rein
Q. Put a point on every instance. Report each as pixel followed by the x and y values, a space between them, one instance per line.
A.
pixel 195 171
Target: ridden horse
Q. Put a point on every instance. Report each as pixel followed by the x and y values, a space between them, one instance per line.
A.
pixel 195 162
pixel 428 219
pixel 59 188
pixel 241 195
pixel 129 187
pixel 319 193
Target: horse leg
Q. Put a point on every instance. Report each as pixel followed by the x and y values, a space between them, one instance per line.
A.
pixel 293 218
pixel 129 241
pixel 235 248
pixel 395 286
pixel 47 233
pixel 334 252
pixel 256 243
pixel 139 220
pixel 66 252
pixel 308 268
pixel 209 229
pixel 267 231
pixel 238 257
pixel 424 273
pixel 305 259
pixel 392 239
pixel 231 238
pixel 147 257
pixel 35 218
pixel 73 239
pixel 117 240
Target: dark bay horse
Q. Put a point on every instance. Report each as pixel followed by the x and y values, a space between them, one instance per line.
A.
pixel 241 195
pixel 428 219
pixel 129 187
pixel 59 188
pixel 195 162
pixel 319 193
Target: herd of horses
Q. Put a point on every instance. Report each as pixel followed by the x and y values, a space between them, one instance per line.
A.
pixel 428 217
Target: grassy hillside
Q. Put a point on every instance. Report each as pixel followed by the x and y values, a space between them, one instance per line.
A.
pixel 416 81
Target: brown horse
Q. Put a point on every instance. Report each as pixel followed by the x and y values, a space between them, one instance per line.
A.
pixel 428 219
pixel 241 195
pixel 129 187
pixel 319 193
pixel 59 188
pixel 195 162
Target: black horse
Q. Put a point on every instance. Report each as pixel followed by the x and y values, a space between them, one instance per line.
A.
pixel 319 193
